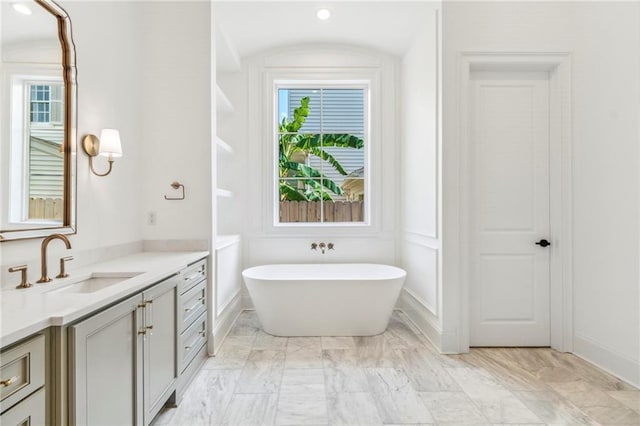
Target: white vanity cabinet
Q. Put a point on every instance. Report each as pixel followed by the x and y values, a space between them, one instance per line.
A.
pixel 106 369
pixel 22 381
pixel 110 356
pixel 192 324
pixel 123 361
pixel 160 359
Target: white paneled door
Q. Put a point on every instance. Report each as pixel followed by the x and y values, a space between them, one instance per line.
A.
pixel 510 275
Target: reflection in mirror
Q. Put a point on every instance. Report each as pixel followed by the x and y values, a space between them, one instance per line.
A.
pixel 38 106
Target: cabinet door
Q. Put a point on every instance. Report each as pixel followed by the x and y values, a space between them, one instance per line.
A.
pixel 106 367
pixel 160 360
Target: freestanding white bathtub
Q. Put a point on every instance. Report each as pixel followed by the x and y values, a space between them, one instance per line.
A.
pixel 324 299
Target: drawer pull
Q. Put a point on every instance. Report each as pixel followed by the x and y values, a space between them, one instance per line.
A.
pixel 200 300
pixel 202 333
pixel 190 277
pixel 9 382
pixel 187 348
pixel 143 331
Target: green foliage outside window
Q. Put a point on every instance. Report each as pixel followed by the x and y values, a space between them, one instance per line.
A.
pixel 299 181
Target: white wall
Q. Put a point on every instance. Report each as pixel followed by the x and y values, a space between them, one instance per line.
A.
pixel 175 101
pixel 108 65
pixel 420 239
pixel 603 39
pixel 231 167
pixel 268 244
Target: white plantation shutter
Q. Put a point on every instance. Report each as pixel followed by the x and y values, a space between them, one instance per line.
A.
pixel 342 110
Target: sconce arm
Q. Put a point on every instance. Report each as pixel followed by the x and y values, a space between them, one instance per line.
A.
pixel 94 170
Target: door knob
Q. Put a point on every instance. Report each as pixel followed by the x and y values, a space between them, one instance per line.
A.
pixel 543 243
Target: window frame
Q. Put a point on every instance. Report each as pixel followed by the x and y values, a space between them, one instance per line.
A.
pixel 330 82
pixel 19 128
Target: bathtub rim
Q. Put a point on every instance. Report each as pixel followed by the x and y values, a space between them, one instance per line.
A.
pixel 249 272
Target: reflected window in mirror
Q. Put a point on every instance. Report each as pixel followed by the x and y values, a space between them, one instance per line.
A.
pixel 37 138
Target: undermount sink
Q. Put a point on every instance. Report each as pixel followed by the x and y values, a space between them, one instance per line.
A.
pixel 96 282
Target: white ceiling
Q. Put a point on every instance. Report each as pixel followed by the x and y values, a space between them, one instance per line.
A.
pixel 18 28
pixel 255 26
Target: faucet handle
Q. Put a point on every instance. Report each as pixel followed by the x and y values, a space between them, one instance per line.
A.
pixel 330 246
pixel 23 278
pixel 62 273
pixel 314 246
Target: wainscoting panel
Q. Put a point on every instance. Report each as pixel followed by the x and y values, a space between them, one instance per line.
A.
pixel 228 273
pixel 420 298
pixel 421 263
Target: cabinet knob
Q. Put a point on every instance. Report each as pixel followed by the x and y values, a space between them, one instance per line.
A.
pixel 143 331
pixel 187 348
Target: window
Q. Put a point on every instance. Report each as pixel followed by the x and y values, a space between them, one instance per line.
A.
pixel 36 174
pixel 46 103
pixel 322 154
pixel 46 160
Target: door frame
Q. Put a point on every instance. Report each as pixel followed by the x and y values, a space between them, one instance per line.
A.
pixel 558 64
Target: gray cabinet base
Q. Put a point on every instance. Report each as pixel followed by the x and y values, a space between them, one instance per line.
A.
pixel 190 372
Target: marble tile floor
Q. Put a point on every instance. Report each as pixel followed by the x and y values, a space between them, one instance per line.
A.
pixel 395 378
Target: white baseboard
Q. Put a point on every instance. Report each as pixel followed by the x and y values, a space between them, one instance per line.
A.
pixel 607 359
pixel 422 317
pixel 224 322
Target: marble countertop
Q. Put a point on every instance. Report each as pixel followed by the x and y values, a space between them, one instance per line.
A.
pixel 27 311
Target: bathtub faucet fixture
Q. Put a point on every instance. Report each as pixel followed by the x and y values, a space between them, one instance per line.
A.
pixel 323 246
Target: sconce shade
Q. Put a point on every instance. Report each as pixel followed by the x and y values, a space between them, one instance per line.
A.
pixel 110 143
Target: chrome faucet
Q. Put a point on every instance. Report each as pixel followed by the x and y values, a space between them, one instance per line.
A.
pixel 43 253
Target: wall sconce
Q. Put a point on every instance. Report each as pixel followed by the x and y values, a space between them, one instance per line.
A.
pixel 107 146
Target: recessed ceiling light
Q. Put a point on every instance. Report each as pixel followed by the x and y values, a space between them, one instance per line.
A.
pixel 323 14
pixel 21 8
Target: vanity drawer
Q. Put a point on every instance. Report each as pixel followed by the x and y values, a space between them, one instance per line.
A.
pixel 193 304
pixel 21 371
pixel 192 340
pixel 29 412
pixel 192 275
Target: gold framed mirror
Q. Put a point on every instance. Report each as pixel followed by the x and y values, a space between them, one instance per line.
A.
pixel 38 133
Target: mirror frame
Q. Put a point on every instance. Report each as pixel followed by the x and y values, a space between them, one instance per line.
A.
pixel 69 74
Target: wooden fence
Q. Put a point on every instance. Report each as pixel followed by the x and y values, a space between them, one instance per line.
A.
pixel 46 208
pixel 309 211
